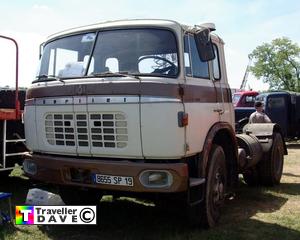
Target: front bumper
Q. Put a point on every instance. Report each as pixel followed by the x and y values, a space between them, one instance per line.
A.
pixel 59 170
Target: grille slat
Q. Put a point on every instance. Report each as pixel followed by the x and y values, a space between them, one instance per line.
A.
pixel 98 130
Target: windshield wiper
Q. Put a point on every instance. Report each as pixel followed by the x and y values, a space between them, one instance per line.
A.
pixel 114 74
pixel 47 78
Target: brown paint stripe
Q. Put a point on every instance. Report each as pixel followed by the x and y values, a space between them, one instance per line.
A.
pixel 191 93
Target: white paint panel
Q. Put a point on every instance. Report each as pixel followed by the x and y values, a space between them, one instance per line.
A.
pixel 201 118
pixel 30 127
pixel 228 115
pixel 161 135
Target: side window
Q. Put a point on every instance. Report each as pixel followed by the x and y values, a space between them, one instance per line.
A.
pixel 193 65
pixel 277 102
pixel 216 64
pixel 249 101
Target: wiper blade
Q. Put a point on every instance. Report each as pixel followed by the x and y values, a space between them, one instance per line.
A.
pixel 47 78
pixel 114 74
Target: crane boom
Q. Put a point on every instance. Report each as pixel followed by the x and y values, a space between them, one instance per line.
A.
pixel 245 78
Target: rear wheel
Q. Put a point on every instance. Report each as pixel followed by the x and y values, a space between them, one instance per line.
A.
pixel 270 168
pixel 76 196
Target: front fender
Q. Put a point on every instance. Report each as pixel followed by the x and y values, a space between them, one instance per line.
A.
pixel 211 138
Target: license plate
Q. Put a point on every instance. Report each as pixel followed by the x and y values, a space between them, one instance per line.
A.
pixel 113 180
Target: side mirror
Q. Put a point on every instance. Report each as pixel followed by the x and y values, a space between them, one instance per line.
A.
pixel 204 45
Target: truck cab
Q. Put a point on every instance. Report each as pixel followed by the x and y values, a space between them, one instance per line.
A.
pixel 281 107
pixel 116 90
pixel 244 98
pixel 135 107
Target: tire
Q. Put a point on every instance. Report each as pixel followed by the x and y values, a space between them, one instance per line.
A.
pixel 75 196
pixel 270 168
pixel 251 177
pixel 216 183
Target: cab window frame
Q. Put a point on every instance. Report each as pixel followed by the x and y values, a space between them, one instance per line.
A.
pixel 187 38
pixel 217 57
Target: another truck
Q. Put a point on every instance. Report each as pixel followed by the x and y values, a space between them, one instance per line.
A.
pixel 281 107
pixel 143 108
pixel 244 98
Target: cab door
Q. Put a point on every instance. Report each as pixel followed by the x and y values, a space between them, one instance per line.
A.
pixel 200 97
pixel 277 109
pixel 219 77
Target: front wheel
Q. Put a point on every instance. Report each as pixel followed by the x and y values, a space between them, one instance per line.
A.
pixel 216 182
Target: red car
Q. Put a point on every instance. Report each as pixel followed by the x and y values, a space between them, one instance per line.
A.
pixel 244 98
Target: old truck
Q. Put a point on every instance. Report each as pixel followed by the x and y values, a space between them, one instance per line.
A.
pixel 282 107
pixel 244 98
pixel 143 108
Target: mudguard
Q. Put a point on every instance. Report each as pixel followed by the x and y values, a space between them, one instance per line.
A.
pixel 264 132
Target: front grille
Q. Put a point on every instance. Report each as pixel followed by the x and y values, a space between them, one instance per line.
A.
pixel 99 130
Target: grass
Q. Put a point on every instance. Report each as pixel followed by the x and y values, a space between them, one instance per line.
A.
pixel 254 213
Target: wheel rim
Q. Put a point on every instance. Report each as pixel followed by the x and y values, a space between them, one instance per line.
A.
pixel 218 190
pixel 215 186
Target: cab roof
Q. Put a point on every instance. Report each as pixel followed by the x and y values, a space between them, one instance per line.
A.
pixel 130 23
pixel 280 93
pixel 247 93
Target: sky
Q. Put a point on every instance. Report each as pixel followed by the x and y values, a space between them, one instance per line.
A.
pixel 242 24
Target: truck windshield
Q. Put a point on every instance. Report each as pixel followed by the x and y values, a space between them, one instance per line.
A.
pixel 130 51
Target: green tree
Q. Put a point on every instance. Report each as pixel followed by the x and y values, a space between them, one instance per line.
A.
pixel 278 63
